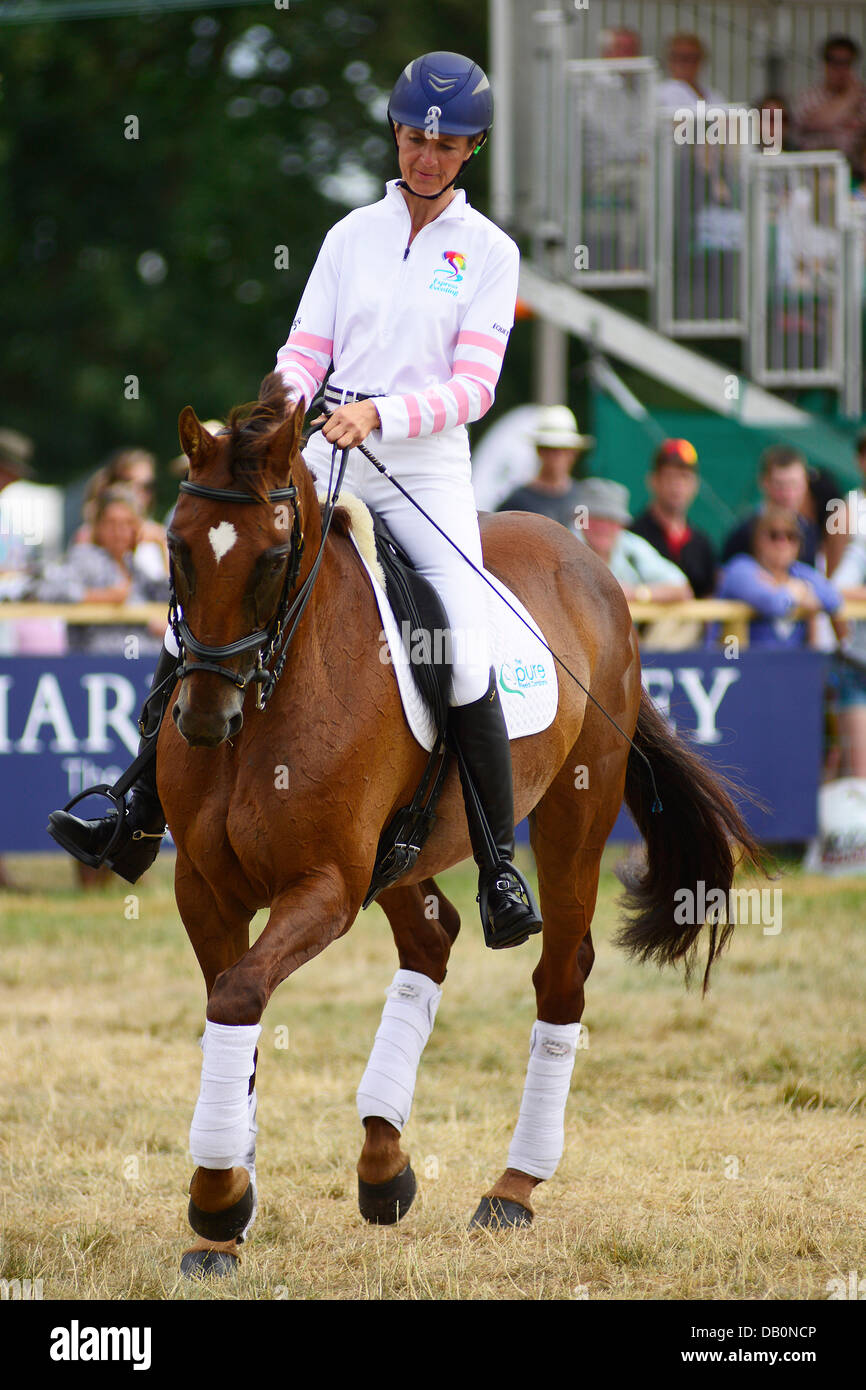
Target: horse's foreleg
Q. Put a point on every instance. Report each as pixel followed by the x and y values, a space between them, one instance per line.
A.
pixel 303 920
pixel 425 925
pixel 223 1190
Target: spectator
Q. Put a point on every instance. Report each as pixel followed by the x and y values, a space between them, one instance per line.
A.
pixel 783 478
pixel 832 116
pixel 107 570
pixel 673 483
pixel 553 491
pixel 683 89
pixel 31 527
pixel 776 133
pixel 134 469
pixel 643 573
pixel 848 673
pixel 776 583
pixel 617 142
pixel 619 43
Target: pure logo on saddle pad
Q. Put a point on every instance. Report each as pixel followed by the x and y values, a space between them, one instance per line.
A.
pixel 525 669
pixel 520 677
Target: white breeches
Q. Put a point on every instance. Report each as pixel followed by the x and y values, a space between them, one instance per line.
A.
pixel 436 471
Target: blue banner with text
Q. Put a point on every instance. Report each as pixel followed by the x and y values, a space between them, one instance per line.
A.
pixel 69 722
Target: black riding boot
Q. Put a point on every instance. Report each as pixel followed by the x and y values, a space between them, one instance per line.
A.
pixel 143 826
pixel 508 914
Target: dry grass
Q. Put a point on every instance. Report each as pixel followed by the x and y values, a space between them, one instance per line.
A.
pixel 99 1021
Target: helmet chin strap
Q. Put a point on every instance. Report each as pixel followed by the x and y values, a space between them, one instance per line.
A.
pixel 431 197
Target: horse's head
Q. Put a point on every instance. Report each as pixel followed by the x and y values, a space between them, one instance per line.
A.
pixel 235 542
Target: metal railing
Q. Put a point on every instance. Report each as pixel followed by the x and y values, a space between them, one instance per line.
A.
pixel 610 174
pixel 701 275
pixel 730 240
pixel 733 616
pixel 799 285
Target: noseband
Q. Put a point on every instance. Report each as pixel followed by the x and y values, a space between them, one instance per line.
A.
pixel 266 641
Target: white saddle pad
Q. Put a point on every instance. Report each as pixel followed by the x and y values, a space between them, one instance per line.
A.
pixel 525 669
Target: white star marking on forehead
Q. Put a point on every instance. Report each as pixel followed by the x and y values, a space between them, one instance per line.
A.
pixel 222 538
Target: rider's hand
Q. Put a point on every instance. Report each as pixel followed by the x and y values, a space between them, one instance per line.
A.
pixel 350 424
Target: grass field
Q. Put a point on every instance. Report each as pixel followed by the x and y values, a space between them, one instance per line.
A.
pixel 714 1148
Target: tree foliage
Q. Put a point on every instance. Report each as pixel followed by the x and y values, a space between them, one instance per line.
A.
pixel 150 168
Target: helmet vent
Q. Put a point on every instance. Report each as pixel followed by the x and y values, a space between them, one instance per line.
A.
pixel 441 84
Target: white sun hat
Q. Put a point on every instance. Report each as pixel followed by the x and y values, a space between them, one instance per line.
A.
pixel 556 428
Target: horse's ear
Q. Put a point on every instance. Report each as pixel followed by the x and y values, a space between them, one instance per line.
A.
pixel 194 438
pixel 284 441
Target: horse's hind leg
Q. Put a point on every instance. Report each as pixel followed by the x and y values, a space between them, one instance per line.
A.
pixel 425 925
pixel 568 832
pixel 222 1200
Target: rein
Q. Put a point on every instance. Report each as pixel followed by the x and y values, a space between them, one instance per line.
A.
pixel 270 644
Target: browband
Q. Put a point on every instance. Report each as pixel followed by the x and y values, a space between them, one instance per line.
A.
pixel 222 494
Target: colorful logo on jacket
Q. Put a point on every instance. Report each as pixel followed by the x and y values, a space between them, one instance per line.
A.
pixel 457 262
pixel 446 279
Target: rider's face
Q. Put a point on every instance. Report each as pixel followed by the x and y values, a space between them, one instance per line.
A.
pixel 428 163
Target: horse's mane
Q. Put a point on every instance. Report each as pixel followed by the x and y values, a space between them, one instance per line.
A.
pixel 252 427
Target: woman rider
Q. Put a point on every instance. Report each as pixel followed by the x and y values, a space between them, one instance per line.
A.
pixel 412 299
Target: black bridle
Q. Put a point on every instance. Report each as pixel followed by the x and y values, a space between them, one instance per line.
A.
pixel 271 643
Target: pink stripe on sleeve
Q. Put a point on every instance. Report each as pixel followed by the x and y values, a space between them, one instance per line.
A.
pixel 306 364
pixel 413 410
pixel 465 368
pixel 458 391
pixel 296 377
pixel 310 340
pixel 482 340
pixel 437 405
pixel 486 398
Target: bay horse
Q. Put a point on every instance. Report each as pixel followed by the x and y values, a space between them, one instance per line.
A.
pixel 282 807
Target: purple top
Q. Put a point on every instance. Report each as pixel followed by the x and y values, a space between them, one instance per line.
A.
pixel 743 579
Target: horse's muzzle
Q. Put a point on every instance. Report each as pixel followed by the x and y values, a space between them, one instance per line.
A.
pixel 206 728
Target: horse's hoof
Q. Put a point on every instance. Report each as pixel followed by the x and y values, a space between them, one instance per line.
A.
pixel 208 1264
pixel 499 1214
pixel 385 1203
pixel 227 1224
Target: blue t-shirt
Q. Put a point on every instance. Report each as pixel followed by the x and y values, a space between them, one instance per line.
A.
pixel 744 579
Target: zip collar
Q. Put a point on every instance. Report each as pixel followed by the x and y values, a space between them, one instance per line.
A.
pixel 455 210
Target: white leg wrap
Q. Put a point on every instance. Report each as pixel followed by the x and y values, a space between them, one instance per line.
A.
pixel 221 1135
pixel 388 1084
pixel 536 1147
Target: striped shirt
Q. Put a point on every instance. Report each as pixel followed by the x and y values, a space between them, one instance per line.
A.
pixel 424 327
pixel 825 121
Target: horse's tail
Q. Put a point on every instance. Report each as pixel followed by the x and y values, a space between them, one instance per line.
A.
pixel 698 838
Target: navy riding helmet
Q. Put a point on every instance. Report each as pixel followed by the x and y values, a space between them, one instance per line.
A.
pixel 444 92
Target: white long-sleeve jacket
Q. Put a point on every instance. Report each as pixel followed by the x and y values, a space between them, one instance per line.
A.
pixel 424 327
